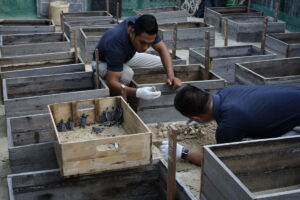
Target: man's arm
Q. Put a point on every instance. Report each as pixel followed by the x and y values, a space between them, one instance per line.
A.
pixel 114 84
pixel 166 60
pixel 195 157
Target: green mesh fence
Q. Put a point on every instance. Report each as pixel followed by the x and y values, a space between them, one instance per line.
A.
pixel 18 9
pixel 129 5
pixel 289 11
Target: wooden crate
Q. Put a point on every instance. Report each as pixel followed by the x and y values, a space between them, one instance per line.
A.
pixel 40 64
pixel 34 43
pixel 175 61
pixel 285 71
pixel 85 156
pixel 223 59
pixel 30 146
pixel 162 109
pixel 31 95
pixel 74 26
pixel 11 26
pixel 214 15
pixel 86 16
pixel 284 44
pixel 147 183
pixel 88 39
pixel 189 34
pixel 249 29
pixel 165 14
pixel 259 169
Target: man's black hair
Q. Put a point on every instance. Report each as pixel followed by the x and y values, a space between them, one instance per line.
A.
pixel 145 24
pixel 191 101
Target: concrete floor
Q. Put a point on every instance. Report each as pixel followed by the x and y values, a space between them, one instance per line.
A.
pixel 4 163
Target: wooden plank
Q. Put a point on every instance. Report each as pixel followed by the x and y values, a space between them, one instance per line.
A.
pixel 263 39
pixel 171 188
pixel 8 26
pixel 97 109
pixel 207 56
pixel 174 41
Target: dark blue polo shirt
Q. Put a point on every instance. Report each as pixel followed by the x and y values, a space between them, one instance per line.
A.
pixel 255 111
pixel 115 47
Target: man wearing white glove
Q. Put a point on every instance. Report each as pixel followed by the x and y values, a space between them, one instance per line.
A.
pixel 181 153
pixel 121 48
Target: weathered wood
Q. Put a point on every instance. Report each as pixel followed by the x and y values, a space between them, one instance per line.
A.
pixel 284 44
pixel 171 185
pixel 40 64
pixel 107 6
pixel 118 12
pixel 9 26
pixel 97 68
pixel 26 153
pixel 224 58
pixel 165 14
pixel 86 16
pixel 88 40
pixel 175 61
pixel 162 109
pixel 72 26
pixel 214 15
pixel 31 95
pixel 249 6
pixel 189 34
pixel 274 162
pixel 225 32
pixel 207 56
pixel 249 29
pixel 174 41
pixel 83 157
pixel 264 34
pixel 142 183
pixel 34 43
pixel 269 72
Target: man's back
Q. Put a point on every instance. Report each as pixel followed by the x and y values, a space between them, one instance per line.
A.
pixel 256 111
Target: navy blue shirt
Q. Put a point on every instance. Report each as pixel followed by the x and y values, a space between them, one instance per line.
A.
pixel 255 111
pixel 115 47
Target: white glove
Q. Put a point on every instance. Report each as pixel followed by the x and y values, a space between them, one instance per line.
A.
pixel 164 148
pixel 147 93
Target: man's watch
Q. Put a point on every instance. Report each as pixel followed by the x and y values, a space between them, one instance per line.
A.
pixel 184 153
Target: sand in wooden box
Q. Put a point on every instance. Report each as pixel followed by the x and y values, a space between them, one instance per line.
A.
pixel 126 146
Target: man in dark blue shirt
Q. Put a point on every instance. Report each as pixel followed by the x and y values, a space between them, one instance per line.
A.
pixel 121 48
pixel 241 112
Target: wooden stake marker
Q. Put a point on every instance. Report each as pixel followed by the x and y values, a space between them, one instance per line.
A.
pixel 207 55
pixel 174 41
pixel 107 6
pixel 75 47
pixel 264 35
pixel 249 6
pixel 62 21
pixel 97 69
pixel 225 32
pixel 171 185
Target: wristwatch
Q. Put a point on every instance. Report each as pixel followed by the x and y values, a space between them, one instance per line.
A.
pixel 184 153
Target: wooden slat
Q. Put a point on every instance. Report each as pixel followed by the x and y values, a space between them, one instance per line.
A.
pixel 171 188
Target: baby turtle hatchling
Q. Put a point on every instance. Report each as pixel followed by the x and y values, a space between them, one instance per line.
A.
pixel 96 130
pixel 61 126
pixel 70 124
pixel 82 121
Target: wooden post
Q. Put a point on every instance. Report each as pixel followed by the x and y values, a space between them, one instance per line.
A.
pixel 75 46
pixel 107 6
pixel 62 21
pixel 204 15
pixel 117 12
pixel 263 39
pixel 207 55
pixel 277 6
pixel 74 113
pixel 123 92
pixel 225 32
pixel 97 110
pixel 97 69
pixel 249 6
pixel 174 41
pixel 171 185
pixel 287 52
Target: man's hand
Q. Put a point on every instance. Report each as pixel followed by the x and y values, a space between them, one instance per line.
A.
pixel 164 148
pixel 147 93
pixel 174 82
